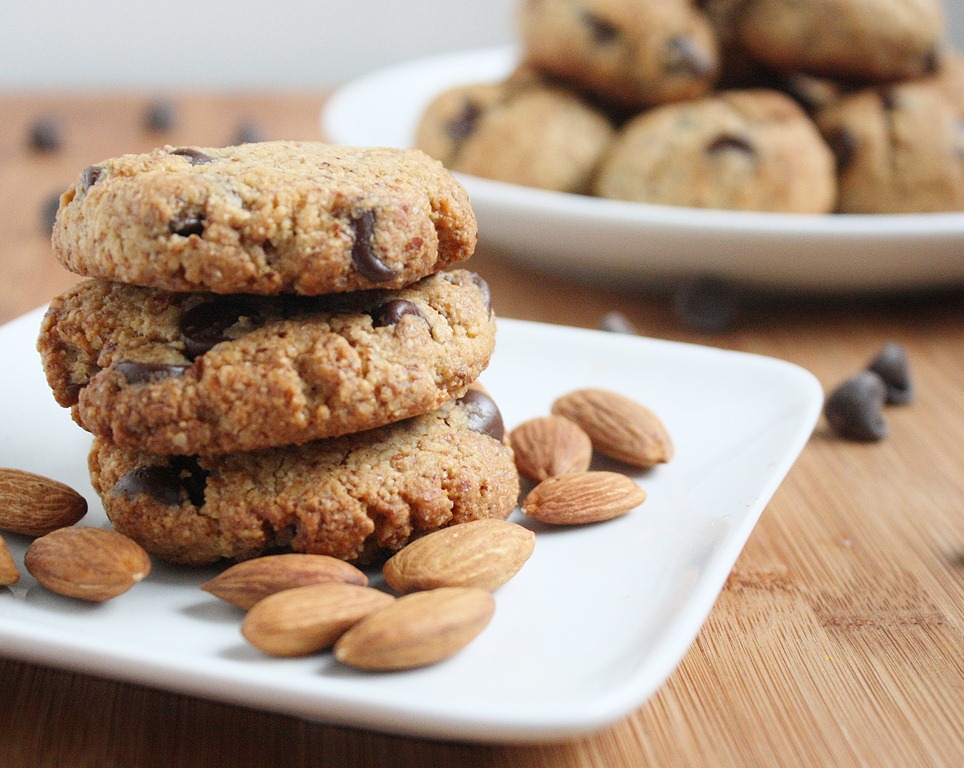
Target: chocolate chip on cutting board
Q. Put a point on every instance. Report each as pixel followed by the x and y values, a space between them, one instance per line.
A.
pixel 706 304
pixel 46 134
pixel 892 366
pixel 160 116
pixel 853 409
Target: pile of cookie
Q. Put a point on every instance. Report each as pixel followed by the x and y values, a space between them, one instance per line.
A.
pixel 812 106
pixel 276 350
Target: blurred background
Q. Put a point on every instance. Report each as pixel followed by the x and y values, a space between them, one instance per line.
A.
pixel 243 43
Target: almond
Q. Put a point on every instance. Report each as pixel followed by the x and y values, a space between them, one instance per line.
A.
pixel 482 553
pixel 582 497
pixel 618 426
pixel 33 505
pixel 245 583
pixel 548 446
pixel 93 564
pixel 303 620
pixel 417 629
pixel 9 573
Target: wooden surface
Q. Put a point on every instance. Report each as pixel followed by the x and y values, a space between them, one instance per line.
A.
pixel 838 639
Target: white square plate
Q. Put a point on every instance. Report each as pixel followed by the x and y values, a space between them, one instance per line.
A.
pixel 594 623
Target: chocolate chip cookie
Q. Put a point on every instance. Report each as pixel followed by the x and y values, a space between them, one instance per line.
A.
pixel 753 150
pixel 265 218
pixel 356 497
pixel 522 132
pixel 632 52
pixel 185 373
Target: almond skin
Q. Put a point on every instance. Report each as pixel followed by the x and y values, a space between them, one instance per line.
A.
pixel 582 497
pixel 33 505
pixel 93 564
pixel 618 426
pixel 482 553
pixel 245 583
pixel 9 573
pixel 304 620
pixel 417 629
pixel 550 445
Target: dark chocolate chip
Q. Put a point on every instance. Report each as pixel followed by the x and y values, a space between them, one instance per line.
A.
pixel 194 156
pixel 617 322
pixel 892 367
pixel 46 135
pixel 48 212
pixel 465 122
pixel 684 55
pixel 190 224
pixel 204 325
pixel 706 304
pixel 392 311
pixel 603 31
pixel 89 176
pixel 889 99
pixel 730 143
pixel 249 132
pixel 853 409
pixel 483 289
pixel 160 116
pixel 843 142
pixel 168 484
pixel 484 415
pixel 138 373
pixel 362 253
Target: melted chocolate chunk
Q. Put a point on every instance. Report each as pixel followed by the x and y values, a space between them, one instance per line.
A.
pixel 483 289
pixel 729 143
pixel 362 254
pixel 138 373
pixel 168 484
pixel 683 55
pixel 603 31
pixel 205 325
pixel 843 143
pixel 465 122
pixel 90 176
pixel 193 156
pixel 392 311
pixel 484 415
pixel 186 226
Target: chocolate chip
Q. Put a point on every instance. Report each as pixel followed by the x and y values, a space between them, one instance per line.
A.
pixel 483 289
pixel 843 142
pixel 392 311
pixel 168 484
pixel 204 325
pixel 46 135
pixel 248 132
pixel 603 31
pixel 706 304
pixel 483 414
pixel 138 373
pixel 684 55
pixel 362 253
pixel 88 177
pixel 465 122
pixel 892 367
pixel 194 156
pixel 617 322
pixel 853 409
pixel 729 143
pixel 190 224
pixel 160 116
pixel 48 212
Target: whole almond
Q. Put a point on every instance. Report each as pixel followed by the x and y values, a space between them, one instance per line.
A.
pixel 550 445
pixel 245 583
pixel 618 426
pixel 417 629
pixel 303 620
pixel 9 573
pixel 93 564
pixel 34 505
pixel 582 497
pixel 482 553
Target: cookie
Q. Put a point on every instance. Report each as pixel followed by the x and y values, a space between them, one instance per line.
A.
pixel 753 150
pixel 520 132
pixel 864 40
pixel 265 218
pixel 358 497
pixel 632 52
pixel 900 148
pixel 185 373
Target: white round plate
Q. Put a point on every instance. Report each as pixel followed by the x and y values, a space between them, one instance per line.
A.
pixel 633 243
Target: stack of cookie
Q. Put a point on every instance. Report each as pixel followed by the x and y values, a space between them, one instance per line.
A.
pixel 271 354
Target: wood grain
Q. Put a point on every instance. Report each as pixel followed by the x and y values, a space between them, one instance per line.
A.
pixel 837 640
